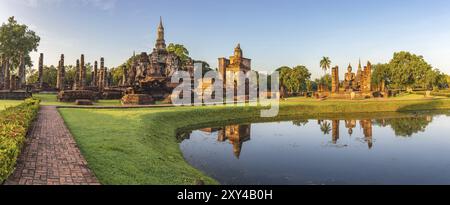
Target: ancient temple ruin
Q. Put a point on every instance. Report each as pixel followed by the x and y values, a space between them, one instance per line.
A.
pixel 149 77
pixel 13 80
pixel 97 88
pixel 354 85
pixel 236 63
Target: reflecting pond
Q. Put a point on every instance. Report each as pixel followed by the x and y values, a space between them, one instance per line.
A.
pixel 382 150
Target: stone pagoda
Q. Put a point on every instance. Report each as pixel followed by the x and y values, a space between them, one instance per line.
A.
pixel 149 77
pixel 236 63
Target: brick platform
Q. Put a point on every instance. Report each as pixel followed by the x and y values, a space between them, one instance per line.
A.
pixel 50 155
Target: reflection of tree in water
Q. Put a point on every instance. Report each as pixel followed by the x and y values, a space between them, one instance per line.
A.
pixel 300 123
pixel 406 127
pixel 325 127
pixel 181 136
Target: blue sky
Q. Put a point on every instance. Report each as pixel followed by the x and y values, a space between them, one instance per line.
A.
pixel 271 33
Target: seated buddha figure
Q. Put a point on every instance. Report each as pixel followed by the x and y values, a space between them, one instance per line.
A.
pixel 349 79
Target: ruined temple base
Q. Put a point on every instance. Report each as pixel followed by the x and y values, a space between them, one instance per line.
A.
pixel 14 95
pixel 112 95
pixel 74 95
pixel 137 99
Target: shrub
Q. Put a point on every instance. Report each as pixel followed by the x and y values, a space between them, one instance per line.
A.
pixel 14 124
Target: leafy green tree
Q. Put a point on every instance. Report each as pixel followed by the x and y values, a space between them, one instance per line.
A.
pixel 49 75
pixel 325 64
pixel 205 66
pixel 32 76
pixel 409 70
pixel 325 80
pixel 437 80
pixel 299 77
pixel 284 72
pixel 117 74
pixel 380 73
pixel 16 40
pixel 180 50
pixel 294 80
pixel 70 74
pixel 312 85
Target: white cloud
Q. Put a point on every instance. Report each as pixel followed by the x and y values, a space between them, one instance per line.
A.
pixel 104 5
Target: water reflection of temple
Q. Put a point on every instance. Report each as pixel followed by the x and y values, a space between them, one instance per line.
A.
pixel 366 126
pixel 235 134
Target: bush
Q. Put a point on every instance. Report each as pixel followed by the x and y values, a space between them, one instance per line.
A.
pixel 14 124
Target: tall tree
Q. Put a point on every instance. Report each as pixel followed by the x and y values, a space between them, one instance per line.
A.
pixel 294 80
pixel 381 72
pixel 300 75
pixel 325 80
pixel 409 70
pixel 325 64
pixel 284 72
pixel 16 40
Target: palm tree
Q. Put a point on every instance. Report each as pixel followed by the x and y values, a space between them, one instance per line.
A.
pixel 325 64
pixel 325 127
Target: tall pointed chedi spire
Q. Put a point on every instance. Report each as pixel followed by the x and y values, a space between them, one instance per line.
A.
pixel 161 23
pixel 359 66
pixel 238 51
pixel 160 42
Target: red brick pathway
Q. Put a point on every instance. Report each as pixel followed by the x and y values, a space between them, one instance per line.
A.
pixel 50 155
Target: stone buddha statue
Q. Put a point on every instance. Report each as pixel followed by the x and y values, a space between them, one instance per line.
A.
pixel 349 79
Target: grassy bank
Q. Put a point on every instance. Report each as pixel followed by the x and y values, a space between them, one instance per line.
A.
pixel 139 146
pixel 14 124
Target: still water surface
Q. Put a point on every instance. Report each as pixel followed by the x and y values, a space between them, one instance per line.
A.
pixel 382 150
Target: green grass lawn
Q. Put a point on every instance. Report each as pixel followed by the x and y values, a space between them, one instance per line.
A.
pixel 9 103
pixel 139 146
pixel 50 99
